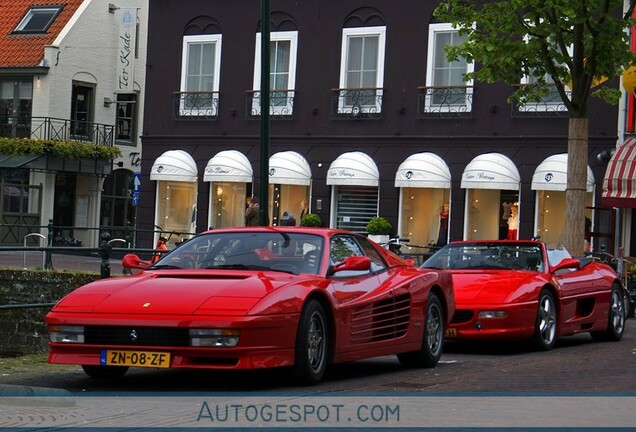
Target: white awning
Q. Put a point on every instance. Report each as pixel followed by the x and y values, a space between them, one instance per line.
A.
pixel 229 166
pixel 289 168
pixel 552 174
pixel 491 171
pixel 175 165
pixel 353 169
pixel 423 170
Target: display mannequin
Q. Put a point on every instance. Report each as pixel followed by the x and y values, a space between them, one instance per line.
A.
pixel 442 236
pixel 513 222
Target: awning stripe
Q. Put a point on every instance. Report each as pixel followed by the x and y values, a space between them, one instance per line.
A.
pixel 619 183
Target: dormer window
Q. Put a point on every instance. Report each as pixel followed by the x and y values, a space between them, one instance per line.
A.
pixel 38 19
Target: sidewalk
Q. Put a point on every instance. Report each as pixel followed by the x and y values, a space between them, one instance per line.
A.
pixel 32 260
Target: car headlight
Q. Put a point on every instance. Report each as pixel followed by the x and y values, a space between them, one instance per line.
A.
pixel 66 334
pixel 218 338
pixel 493 314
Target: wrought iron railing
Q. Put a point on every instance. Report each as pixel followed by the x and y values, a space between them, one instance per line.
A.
pixel 449 102
pixel 50 128
pixel 281 104
pixel 357 103
pixel 550 106
pixel 196 105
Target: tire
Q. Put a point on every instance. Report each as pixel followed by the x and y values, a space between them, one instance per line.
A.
pixel 433 341
pixel 615 318
pixel 545 328
pixel 312 345
pixel 105 372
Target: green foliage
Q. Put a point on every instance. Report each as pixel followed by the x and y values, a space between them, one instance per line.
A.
pixel 575 43
pixel 379 226
pixel 62 149
pixel 311 220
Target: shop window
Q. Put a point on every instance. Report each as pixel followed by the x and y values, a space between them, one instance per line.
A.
pixel 287 199
pixel 176 208
pixel 551 220
pixel 488 213
pixel 420 217
pixel 116 205
pixel 228 204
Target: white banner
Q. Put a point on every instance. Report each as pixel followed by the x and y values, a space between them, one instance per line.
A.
pixel 126 51
pixel 301 411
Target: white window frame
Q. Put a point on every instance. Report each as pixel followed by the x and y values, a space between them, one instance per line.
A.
pixel 187 40
pixel 433 30
pixel 292 37
pixel 540 106
pixel 347 33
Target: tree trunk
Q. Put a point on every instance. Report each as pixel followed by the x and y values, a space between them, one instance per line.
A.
pixel 577 184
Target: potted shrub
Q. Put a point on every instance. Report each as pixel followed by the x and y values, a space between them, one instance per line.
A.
pixel 379 229
pixel 311 220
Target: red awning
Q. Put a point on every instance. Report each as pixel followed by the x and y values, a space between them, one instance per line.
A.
pixel 619 183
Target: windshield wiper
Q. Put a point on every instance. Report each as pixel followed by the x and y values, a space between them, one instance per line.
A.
pixel 165 267
pixel 228 266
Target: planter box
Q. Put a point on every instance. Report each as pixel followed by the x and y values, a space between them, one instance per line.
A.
pixel 379 238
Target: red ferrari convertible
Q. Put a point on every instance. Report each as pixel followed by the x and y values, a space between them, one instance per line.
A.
pixel 523 290
pixel 259 297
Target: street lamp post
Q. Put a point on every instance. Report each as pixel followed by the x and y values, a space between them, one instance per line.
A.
pixel 264 138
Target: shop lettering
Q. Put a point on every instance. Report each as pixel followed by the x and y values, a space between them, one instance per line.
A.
pixel 135 159
pixel 480 176
pixel 216 170
pixel 341 173
pixel 124 55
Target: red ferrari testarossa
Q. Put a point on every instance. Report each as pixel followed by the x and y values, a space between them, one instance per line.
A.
pixel 257 297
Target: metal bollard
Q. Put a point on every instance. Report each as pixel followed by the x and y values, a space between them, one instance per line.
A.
pixel 104 252
pixel 48 262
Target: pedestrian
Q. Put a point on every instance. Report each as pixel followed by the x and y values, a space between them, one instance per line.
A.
pixel 251 212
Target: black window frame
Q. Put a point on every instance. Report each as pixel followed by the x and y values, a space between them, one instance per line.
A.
pixel 126 101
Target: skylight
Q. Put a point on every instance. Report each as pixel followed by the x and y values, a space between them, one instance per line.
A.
pixel 38 19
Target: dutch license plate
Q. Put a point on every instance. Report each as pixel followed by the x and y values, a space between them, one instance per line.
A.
pixel 151 359
pixel 450 333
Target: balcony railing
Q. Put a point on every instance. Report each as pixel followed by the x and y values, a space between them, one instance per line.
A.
pixel 449 102
pixel 357 103
pixel 550 106
pixel 281 104
pixel 49 128
pixel 196 105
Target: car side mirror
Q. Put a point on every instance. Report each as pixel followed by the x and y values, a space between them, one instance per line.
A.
pixel 359 263
pixel 132 261
pixel 567 263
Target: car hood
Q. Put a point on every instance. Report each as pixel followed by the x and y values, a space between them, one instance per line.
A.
pixel 489 286
pixel 175 293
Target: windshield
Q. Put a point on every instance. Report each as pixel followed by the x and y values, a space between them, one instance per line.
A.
pixel 557 255
pixel 504 256
pixel 278 251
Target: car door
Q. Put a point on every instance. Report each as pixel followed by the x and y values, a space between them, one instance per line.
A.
pixel 371 311
pixel 575 285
